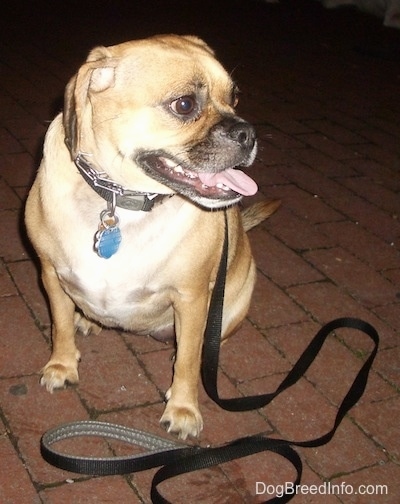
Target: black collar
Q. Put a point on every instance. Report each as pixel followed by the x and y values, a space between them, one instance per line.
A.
pixel 113 192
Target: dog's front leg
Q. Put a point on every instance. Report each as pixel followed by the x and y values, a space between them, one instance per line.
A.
pixel 182 415
pixel 62 368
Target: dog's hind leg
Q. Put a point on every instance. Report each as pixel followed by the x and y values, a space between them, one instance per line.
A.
pixel 85 326
pixel 62 368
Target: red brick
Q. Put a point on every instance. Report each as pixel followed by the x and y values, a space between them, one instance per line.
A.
pixel 336 132
pixel 285 123
pixel 300 413
pixel 349 450
pixel 388 365
pixel 393 275
pixel 292 339
pixel 325 302
pixel 390 314
pixel 9 144
pixel 278 262
pixel 205 486
pixel 265 467
pixel 8 199
pixel 308 207
pixel 387 476
pixel 275 137
pixel 270 155
pixel 7 287
pixel 30 411
pixel 331 380
pixel 145 344
pixel 222 426
pixel 307 495
pixel 110 375
pixel 23 348
pixel 378 154
pixel 329 147
pixel 374 219
pixel 377 194
pixel 319 161
pixel 364 283
pixel 363 244
pixel 378 173
pixel 296 233
pixel 388 141
pixel 270 307
pixel 159 366
pixel 379 406
pixel 26 127
pixel 18 169
pixel 9 109
pixel 265 176
pixel 247 355
pixel 13 248
pixel 26 276
pixel 312 181
pixel 15 484
pixel 96 489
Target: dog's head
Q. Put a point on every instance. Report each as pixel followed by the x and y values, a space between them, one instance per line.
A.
pixel 158 115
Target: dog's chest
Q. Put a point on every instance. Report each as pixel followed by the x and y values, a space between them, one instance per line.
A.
pixel 132 289
pixel 123 297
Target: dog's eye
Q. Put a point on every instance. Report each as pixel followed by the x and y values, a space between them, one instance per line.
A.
pixel 185 105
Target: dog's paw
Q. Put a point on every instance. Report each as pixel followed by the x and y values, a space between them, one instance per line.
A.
pixel 183 420
pixel 57 375
pixel 85 326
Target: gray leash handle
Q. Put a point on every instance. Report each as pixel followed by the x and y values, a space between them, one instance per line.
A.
pixel 159 451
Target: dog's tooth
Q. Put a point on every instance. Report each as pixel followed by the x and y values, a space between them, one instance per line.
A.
pixel 222 186
pixel 168 162
pixel 178 169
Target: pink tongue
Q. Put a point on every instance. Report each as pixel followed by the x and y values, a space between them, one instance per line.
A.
pixel 234 179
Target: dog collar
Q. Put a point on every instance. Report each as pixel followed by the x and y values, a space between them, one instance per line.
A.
pixel 115 193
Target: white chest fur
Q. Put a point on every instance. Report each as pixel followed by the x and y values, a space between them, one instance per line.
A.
pixel 133 289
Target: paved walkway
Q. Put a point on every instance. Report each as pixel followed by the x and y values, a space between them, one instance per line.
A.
pixel 323 89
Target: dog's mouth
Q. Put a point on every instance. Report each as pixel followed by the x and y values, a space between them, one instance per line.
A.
pixel 228 185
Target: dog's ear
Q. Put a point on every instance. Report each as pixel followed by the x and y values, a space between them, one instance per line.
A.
pixel 95 76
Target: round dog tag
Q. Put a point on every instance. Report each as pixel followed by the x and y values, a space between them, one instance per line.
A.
pixel 107 242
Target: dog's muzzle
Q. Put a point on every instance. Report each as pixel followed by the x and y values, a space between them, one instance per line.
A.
pixel 207 172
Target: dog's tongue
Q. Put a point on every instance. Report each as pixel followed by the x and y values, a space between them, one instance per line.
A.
pixel 236 180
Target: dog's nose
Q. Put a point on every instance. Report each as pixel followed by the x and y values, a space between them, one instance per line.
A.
pixel 244 134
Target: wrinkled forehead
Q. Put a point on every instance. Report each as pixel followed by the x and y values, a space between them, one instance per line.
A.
pixel 174 69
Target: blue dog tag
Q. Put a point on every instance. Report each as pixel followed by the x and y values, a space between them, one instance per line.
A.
pixel 107 241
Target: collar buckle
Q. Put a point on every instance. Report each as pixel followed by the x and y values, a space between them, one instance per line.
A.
pixel 113 192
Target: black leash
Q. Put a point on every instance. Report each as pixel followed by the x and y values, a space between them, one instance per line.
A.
pixel 176 458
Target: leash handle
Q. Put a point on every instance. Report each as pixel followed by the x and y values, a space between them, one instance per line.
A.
pixel 176 458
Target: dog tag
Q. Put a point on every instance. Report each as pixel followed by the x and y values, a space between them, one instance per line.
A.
pixel 107 241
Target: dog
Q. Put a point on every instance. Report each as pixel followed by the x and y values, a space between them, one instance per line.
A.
pixel 126 212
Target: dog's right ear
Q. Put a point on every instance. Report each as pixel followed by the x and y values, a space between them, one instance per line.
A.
pixel 94 76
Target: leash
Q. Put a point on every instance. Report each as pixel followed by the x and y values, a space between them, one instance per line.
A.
pixel 176 458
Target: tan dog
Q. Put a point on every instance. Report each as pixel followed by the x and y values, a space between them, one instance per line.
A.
pixel 120 212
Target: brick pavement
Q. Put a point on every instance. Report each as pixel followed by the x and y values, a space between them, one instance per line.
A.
pixel 322 88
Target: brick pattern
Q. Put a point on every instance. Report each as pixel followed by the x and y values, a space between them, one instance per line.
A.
pixel 328 127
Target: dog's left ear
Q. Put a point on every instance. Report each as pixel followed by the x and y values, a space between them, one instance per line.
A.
pixel 95 76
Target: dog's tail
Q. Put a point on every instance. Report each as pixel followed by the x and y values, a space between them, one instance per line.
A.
pixel 256 213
